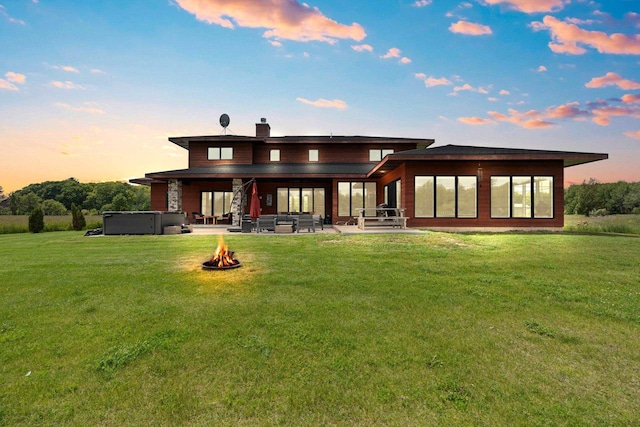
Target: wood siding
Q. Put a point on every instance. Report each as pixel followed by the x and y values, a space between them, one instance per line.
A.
pixel 489 169
pixel 159 197
pixel 242 154
pixel 327 153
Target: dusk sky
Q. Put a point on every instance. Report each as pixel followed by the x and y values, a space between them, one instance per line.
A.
pixel 93 89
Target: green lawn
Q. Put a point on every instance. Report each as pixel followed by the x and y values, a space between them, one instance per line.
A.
pixel 401 330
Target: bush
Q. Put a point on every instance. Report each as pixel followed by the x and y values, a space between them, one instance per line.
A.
pixel 36 220
pixel 53 207
pixel 78 221
pixel 636 211
pixel 599 212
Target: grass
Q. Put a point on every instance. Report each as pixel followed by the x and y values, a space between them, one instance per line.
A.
pixel 620 224
pixel 442 329
pixel 20 223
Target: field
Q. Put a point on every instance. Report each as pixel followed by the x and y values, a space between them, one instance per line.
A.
pixel 439 329
pixel 20 223
pixel 624 224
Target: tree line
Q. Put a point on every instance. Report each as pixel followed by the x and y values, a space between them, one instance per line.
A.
pixel 593 198
pixel 59 197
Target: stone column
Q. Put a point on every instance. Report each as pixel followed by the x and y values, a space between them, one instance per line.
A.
pixel 174 191
pixel 236 207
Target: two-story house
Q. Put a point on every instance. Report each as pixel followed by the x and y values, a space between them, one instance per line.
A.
pixel 447 187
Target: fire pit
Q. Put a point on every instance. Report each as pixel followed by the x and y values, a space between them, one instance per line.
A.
pixel 222 258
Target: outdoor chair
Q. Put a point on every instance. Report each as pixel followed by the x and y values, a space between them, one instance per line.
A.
pixel 305 221
pixel 198 218
pixel 317 219
pixel 266 223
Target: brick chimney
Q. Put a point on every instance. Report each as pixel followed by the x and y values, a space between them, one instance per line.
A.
pixel 263 130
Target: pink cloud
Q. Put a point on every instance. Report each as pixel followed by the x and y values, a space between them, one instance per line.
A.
pixel 602 116
pixel 567 111
pixel 11 80
pixel 15 77
pixel 631 98
pixel 601 113
pixel 634 135
pixel 476 121
pixel 362 48
pixel 421 3
pixel 432 81
pixel 532 6
pixel 528 120
pixel 394 52
pixel 405 60
pixel 87 109
pixel 66 85
pixel 324 103
pixel 469 28
pixel 283 19
pixel 468 87
pixel 612 79
pixel 569 38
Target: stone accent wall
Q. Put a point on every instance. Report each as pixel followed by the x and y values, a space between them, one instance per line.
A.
pixel 174 195
pixel 236 207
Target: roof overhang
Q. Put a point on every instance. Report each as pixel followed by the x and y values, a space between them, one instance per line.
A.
pixel 267 170
pixel 569 159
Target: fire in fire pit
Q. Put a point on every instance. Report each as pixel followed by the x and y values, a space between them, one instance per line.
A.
pixel 222 258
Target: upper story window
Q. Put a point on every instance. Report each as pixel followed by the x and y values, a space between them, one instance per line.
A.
pixel 274 155
pixel 313 155
pixel 220 153
pixel 375 155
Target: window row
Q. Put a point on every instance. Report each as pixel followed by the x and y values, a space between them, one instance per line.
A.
pixel 294 199
pixel 220 153
pixel 355 195
pixel 217 203
pixel 446 197
pixel 515 196
pixel 226 153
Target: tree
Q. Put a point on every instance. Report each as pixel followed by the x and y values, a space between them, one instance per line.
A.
pixel 2 196
pixel 36 220
pixel 24 204
pixel 77 222
pixel 53 207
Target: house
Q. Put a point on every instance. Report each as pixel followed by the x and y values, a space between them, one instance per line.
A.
pixel 446 187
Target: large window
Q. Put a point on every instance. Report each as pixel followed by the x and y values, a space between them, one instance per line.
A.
pixel 522 197
pixel 355 195
pixel 446 196
pixel 301 200
pixel 375 155
pixel 220 153
pixel 216 202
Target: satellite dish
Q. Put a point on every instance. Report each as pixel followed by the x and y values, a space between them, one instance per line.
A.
pixel 224 120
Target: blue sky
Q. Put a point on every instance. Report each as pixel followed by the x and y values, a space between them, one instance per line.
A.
pixel 93 89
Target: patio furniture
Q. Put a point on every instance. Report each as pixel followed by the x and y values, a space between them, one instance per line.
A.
pixel 266 223
pixel 198 218
pixel 383 217
pixel 304 221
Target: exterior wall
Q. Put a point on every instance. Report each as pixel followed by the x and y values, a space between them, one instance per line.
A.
pixel 489 169
pixel 191 190
pixel 327 153
pixel 159 196
pixel 242 154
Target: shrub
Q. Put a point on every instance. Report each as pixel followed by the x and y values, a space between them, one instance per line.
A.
pixel 36 220
pixel 636 211
pixel 599 212
pixel 78 221
pixel 53 207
